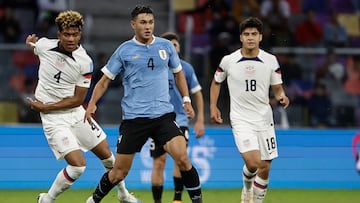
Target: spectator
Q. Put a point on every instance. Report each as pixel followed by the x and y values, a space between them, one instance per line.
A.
pixel 10 28
pixel 309 32
pixel 320 107
pixel 352 84
pixel 48 10
pixel 242 9
pixel 335 34
pixel 356 5
pixel 275 14
pixel 319 6
pixel 228 25
pixel 291 70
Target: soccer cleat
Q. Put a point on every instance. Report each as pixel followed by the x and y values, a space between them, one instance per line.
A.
pixel 247 196
pixel 129 198
pixel 90 200
pixel 176 201
pixel 44 198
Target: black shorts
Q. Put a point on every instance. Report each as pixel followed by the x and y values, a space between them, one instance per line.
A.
pixel 135 132
pixel 158 150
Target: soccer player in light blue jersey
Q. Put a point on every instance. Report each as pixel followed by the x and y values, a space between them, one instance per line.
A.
pixel 156 151
pixel 143 63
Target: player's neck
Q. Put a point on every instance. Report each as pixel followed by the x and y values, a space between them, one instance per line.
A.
pixel 249 53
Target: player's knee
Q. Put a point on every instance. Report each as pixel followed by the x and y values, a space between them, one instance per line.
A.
pixel 116 175
pixel 183 162
pixel 264 166
pixel 253 165
pixel 159 163
pixel 74 172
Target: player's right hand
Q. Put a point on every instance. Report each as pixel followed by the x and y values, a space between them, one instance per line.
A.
pixel 31 40
pixel 215 115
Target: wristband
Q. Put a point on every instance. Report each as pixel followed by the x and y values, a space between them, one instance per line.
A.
pixel 186 99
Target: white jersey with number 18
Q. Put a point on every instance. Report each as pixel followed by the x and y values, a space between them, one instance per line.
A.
pixel 249 80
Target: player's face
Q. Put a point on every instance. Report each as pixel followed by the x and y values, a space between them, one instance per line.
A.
pixel 143 26
pixel 69 39
pixel 250 38
pixel 176 45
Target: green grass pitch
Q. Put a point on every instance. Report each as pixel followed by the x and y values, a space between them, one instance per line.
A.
pixel 210 196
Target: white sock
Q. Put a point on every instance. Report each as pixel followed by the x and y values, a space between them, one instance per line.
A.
pixel 248 178
pixel 64 179
pixel 108 164
pixel 260 188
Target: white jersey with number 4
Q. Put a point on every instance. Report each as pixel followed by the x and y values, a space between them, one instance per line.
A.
pixel 249 80
pixel 60 72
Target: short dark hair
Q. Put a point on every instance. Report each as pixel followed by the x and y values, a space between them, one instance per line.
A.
pixel 251 22
pixel 170 36
pixel 140 9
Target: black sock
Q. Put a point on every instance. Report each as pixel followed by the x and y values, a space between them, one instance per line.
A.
pixel 157 191
pixel 179 186
pixel 102 188
pixel 192 184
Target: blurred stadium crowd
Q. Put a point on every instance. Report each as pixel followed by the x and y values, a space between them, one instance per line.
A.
pixel 316 41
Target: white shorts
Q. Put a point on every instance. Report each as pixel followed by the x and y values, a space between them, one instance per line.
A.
pixel 66 131
pixel 248 139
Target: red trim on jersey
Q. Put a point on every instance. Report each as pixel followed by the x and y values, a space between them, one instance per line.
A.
pixel 219 70
pixel 278 71
pixel 88 75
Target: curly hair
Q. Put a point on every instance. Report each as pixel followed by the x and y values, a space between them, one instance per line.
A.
pixel 68 19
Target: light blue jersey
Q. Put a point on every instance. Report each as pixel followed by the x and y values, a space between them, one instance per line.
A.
pixel 175 96
pixel 145 73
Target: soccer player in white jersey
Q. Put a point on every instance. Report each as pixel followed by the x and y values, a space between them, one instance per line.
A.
pixel 157 151
pixel 144 63
pixel 250 72
pixel 64 78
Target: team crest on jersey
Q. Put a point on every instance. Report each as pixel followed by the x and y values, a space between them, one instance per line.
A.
pixel 249 70
pixel 162 54
pixel 60 62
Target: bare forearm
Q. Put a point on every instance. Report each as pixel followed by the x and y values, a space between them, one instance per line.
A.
pixel 181 83
pixel 214 93
pixel 199 102
pixel 99 90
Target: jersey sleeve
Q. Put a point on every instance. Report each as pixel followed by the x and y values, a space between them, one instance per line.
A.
pixel 220 74
pixel 191 79
pixel 113 66
pixel 276 73
pixel 174 60
pixel 87 68
pixel 40 45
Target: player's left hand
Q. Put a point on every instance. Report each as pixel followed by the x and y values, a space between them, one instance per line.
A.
pixel 284 100
pixel 189 110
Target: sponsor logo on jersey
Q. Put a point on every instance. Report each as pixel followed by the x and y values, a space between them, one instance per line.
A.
pixel 136 56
